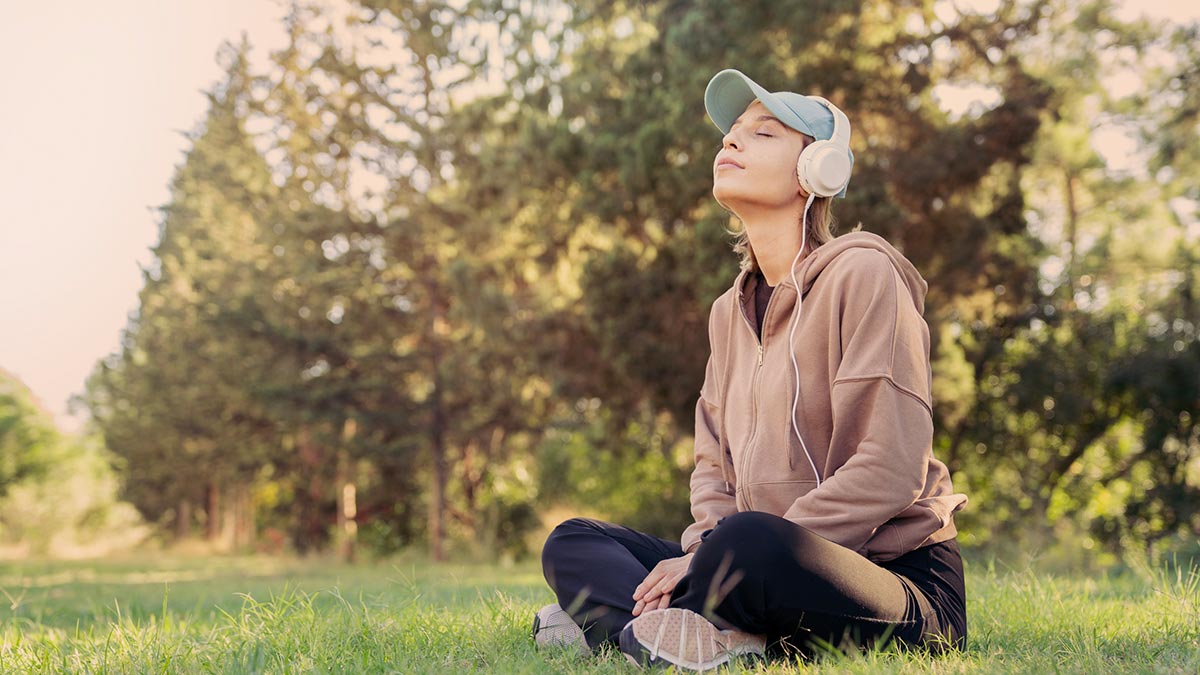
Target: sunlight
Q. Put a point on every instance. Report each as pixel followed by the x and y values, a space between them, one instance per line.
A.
pixel 969 99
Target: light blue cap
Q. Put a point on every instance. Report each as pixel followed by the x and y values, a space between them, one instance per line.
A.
pixel 729 92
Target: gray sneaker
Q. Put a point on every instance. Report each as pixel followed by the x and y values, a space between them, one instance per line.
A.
pixel 685 639
pixel 553 627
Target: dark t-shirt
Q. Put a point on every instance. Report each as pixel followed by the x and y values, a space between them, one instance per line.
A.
pixel 762 295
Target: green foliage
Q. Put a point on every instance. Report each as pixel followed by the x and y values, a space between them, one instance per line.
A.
pixel 28 439
pixel 74 510
pixel 597 472
pixel 59 493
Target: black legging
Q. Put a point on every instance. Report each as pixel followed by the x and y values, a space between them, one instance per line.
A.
pixel 779 579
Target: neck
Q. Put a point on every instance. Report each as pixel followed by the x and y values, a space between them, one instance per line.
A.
pixel 775 236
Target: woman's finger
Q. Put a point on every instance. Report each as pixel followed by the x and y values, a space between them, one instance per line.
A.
pixel 652 579
pixel 650 597
pixel 670 580
pixel 662 579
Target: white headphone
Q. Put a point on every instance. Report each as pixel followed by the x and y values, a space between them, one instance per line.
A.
pixel 792 336
pixel 824 166
pixel 823 169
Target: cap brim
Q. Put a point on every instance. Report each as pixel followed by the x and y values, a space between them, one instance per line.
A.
pixel 729 92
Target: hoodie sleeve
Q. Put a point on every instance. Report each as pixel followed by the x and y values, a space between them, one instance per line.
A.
pixel 712 484
pixel 882 413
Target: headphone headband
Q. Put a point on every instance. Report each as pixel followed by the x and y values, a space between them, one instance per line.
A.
pixel 841 123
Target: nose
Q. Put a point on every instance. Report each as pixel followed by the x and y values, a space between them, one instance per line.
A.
pixel 729 140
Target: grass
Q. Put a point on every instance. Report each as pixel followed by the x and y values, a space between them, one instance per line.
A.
pixel 262 615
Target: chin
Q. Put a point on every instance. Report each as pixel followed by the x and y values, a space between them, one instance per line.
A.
pixel 727 193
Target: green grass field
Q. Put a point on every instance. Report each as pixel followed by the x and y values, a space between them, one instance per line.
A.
pixel 260 615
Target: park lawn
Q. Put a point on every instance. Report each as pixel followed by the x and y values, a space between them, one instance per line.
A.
pixel 271 615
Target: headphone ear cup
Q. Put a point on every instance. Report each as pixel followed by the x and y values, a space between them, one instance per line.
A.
pixel 823 169
pixel 802 170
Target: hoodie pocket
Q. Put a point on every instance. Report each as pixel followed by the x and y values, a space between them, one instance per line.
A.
pixel 777 496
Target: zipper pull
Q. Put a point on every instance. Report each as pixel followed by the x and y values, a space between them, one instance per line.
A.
pixel 760 351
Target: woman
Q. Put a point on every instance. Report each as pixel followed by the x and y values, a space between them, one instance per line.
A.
pixel 820 512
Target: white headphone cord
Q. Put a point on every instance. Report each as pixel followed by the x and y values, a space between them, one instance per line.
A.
pixel 792 336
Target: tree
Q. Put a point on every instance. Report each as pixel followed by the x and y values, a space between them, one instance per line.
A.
pixel 175 399
pixel 28 439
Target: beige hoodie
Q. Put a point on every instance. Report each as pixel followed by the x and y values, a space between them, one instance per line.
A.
pixel 865 406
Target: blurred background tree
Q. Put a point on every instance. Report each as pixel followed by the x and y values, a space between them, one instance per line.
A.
pixel 58 493
pixel 28 438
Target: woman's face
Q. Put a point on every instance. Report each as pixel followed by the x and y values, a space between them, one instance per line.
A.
pixel 756 166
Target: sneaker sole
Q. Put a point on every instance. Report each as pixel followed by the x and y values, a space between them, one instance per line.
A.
pixel 574 642
pixel 671 632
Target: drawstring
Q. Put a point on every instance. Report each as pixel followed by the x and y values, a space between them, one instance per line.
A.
pixel 724 468
pixel 791 458
pixel 791 341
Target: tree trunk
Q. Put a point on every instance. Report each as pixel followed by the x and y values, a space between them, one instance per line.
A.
pixel 311 530
pixel 229 520
pixel 1072 234
pixel 213 512
pixel 439 332
pixel 183 520
pixel 347 506
pixel 437 492
pixel 244 529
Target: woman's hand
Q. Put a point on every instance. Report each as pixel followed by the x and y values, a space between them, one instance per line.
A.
pixel 655 590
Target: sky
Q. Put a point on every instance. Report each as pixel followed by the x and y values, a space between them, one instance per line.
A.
pixel 96 96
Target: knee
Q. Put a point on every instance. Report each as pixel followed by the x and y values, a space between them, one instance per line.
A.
pixel 742 529
pixel 748 539
pixel 559 540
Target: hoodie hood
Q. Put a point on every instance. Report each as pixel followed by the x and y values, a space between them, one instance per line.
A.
pixel 812 265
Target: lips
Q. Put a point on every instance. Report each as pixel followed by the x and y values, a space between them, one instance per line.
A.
pixel 728 162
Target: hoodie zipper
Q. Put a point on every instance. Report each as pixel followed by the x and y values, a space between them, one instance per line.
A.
pixel 753 389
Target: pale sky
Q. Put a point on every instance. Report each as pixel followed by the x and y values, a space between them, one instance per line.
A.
pixel 95 95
